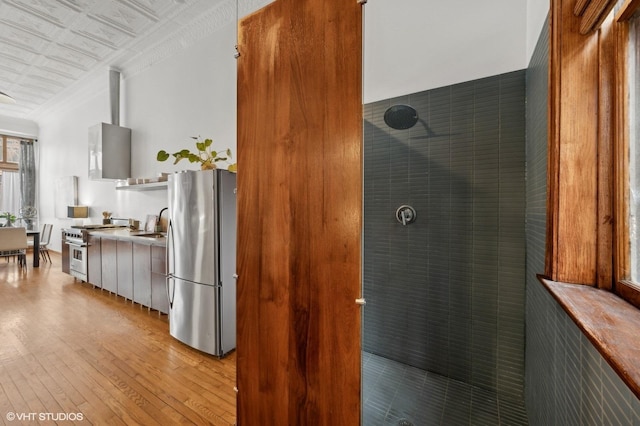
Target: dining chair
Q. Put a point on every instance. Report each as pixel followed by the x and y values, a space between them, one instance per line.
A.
pixel 45 238
pixel 13 242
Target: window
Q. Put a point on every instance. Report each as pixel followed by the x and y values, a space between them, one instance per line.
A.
pixel 10 193
pixel 627 162
pixel 9 152
pixel 633 65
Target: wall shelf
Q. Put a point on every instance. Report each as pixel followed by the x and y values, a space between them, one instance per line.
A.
pixel 143 186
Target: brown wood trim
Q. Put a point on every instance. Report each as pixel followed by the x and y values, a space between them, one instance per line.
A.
pixel 9 166
pixel 553 132
pixel 577 151
pixel 621 156
pixel 627 10
pixel 629 291
pixel 610 324
pixel 595 14
pixel 606 90
pixel 580 7
pixel 580 178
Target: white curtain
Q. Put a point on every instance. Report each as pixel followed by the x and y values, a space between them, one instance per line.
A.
pixel 28 181
pixel 11 196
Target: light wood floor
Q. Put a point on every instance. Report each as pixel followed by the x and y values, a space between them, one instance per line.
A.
pixel 68 348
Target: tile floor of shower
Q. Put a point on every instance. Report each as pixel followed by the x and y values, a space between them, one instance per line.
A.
pixel 398 394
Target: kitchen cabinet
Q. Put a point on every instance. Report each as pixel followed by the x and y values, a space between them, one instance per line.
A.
pixel 132 266
pixel 124 254
pixel 159 299
pixel 109 264
pixel 94 261
pixel 142 274
pixel 66 256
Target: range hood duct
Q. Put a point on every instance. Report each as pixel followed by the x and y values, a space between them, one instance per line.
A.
pixel 114 96
pixel 109 143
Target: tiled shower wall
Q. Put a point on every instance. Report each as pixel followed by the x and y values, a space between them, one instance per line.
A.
pixel 446 293
pixel 568 382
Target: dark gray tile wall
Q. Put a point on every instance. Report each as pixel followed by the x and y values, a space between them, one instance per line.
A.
pixel 568 382
pixel 446 293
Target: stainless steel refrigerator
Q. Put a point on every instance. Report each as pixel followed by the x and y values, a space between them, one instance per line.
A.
pixel 201 250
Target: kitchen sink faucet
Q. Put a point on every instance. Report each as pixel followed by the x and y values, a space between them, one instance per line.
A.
pixel 159 220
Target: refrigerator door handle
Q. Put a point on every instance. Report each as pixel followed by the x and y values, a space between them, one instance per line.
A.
pixel 170 294
pixel 170 249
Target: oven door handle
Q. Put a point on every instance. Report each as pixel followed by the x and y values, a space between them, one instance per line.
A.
pixel 76 244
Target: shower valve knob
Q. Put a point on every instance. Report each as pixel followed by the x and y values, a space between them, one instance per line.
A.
pixel 406 214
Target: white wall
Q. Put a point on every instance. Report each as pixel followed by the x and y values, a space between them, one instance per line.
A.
pixel 64 152
pixel 415 45
pixel 191 93
pixel 537 11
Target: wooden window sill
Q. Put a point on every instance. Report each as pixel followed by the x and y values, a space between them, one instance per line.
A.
pixel 610 323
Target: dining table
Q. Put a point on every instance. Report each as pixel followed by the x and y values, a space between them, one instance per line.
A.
pixel 35 233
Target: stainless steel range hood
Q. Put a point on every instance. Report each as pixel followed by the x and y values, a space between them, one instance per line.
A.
pixel 109 143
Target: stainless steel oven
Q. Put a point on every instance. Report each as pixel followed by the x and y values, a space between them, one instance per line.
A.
pixel 77 245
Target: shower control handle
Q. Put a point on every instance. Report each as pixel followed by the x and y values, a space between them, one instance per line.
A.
pixel 406 214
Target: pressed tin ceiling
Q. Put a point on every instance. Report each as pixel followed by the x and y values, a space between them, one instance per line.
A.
pixel 51 49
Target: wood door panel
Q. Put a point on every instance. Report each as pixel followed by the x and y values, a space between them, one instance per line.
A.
pixel 262 316
pixel 299 221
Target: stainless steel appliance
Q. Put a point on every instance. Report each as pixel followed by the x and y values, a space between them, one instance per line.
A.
pixel 109 143
pixel 201 251
pixel 74 248
pixel 109 152
pixel 75 242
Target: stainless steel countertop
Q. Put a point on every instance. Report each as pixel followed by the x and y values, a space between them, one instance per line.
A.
pixel 135 236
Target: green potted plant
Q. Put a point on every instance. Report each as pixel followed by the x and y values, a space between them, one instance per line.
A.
pixel 204 155
pixel 9 217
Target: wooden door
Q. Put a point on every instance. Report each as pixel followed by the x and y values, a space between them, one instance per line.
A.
pixel 299 214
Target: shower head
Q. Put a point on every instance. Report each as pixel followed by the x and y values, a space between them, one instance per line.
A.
pixel 401 117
